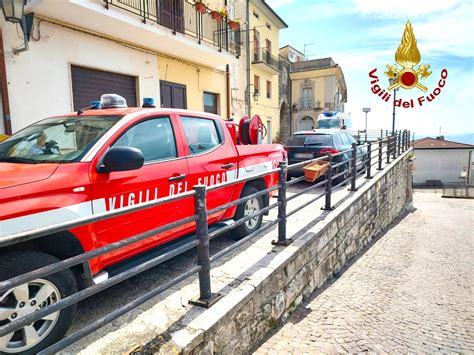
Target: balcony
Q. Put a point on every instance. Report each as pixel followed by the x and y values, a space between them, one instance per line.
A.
pixel 171 27
pixel 181 17
pixel 263 59
pixel 306 104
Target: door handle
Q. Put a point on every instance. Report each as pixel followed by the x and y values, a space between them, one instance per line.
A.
pixel 177 178
pixel 227 166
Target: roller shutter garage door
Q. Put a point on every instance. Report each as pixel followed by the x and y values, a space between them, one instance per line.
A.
pixel 89 84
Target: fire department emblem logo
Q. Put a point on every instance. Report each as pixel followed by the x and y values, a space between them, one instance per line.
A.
pixel 408 56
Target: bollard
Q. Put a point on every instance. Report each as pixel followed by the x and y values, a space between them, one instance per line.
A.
pixel 206 297
pixel 354 167
pixel 282 241
pixel 369 161
pixel 380 155
pixel 328 186
pixel 394 146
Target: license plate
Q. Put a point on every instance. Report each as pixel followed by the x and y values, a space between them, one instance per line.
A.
pixel 304 155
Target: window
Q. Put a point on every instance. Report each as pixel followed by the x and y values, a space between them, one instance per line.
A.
pixel 256 15
pixel 256 82
pixel 201 134
pixel 173 95
pixel 269 89
pixel 210 102
pixel 153 137
pixel 345 139
pixel 256 46
pixel 268 26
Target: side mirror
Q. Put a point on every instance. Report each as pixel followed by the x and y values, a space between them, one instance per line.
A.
pixel 121 159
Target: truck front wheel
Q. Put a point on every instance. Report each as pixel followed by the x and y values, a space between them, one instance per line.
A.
pixel 30 297
pixel 246 209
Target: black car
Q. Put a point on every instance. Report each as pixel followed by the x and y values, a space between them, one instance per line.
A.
pixel 308 145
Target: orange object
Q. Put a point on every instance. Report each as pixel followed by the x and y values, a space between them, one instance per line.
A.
pixel 314 170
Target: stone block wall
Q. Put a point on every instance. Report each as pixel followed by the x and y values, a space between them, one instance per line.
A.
pixel 279 283
pixel 322 255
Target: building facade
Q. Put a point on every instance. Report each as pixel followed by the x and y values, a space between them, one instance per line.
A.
pixel 440 161
pixel 316 85
pixel 81 49
pixel 264 38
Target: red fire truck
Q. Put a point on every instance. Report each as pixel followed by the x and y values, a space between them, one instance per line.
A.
pixel 103 159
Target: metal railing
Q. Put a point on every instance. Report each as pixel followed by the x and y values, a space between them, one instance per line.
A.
pixel 457 190
pixel 375 153
pixel 306 104
pixel 262 55
pixel 182 17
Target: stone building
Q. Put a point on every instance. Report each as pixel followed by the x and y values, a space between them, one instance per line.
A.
pixel 316 85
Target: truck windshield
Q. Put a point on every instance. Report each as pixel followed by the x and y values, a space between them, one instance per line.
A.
pixel 59 139
pixel 336 123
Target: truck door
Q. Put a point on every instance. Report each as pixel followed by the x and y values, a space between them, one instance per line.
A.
pixel 165 171
pixel 211 158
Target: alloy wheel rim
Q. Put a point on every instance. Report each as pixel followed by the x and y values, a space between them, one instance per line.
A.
pixel 21 301
pixel 251 206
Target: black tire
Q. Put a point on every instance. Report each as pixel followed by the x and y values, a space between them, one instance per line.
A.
pixel 17 263
pixel 247 228
pixel 343 177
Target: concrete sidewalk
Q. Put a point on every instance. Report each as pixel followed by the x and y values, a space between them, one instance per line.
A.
pixel 412 291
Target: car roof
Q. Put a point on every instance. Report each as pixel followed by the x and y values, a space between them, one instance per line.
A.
pixel 320 131
pixel 137 110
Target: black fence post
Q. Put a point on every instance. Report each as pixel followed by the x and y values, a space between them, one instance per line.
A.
pixel 354 167
pixel 381 133
pixel 394 146
pixel 404 140
pixel 380 154
pixel 206 298
pixel 399 142
pixel 389 146
pixel 282 241
pixel 328 186
pixel 369 161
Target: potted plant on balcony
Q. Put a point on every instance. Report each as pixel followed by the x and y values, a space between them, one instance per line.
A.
pixel 200 7
pixel 234 25
pixel 218 15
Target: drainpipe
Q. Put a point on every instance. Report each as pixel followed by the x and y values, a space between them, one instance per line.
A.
pixel 227 90
pixel 247 53
pixel 4 87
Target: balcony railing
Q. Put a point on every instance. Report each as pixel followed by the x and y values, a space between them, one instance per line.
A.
pixel 306 104
pixel 181 17
pixel 262 55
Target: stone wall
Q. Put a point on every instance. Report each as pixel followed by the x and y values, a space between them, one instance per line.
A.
pixel 280 282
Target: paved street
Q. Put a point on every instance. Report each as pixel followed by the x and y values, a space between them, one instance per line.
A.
pixel 412 291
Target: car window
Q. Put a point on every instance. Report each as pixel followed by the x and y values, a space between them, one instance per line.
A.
pixel 56 139
pixel 351 138
pixel 318 140
pixel 153 137
pixel 338 140
pixel 345 139
pixel 201 134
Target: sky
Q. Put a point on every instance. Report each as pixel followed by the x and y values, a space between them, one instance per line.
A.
pixel 361 35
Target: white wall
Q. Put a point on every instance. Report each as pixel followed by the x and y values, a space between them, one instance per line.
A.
pixel 39 80
pixel 440 164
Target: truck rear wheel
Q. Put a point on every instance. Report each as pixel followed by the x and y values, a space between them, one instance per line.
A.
pixel 28 298
pixel 245 209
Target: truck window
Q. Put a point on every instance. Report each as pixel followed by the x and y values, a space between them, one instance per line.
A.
pixel 201 134
pixel 153 137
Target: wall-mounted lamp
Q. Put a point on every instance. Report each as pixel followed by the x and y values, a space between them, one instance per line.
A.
pixel 13 11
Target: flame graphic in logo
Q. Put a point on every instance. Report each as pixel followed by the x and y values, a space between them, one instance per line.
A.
pixel 408 55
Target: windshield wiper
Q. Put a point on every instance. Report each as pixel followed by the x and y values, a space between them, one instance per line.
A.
pixel 18 160
pixel 312 144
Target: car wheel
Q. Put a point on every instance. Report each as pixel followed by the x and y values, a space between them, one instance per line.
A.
pixel 245 209
pixel 30 297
